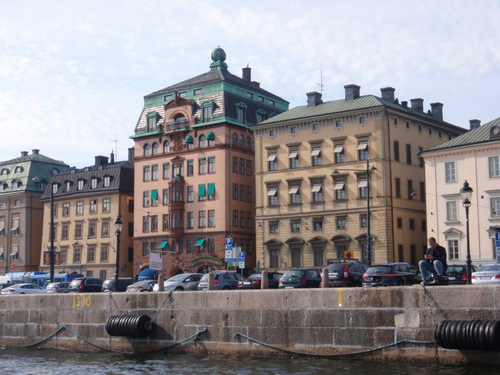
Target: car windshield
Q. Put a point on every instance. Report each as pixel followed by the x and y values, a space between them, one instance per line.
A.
pixel 338 267
pixel 493 267
pixel 378 270
pixel 295 273
pixel 176 278
pixel 255 276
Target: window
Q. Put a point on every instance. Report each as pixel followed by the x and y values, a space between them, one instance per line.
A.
pixel 410 190
pixel 197 91
pixel 177 220
pixel 249 167
pixel 363 187
pixel 317 223
pixel 396 150
pixel 190 220
pixel 207 113
pixel 146 175
pixel 104 253
pixel 202 141
pixel 145 198
pixel 420 158
pixel 77 254
pixel 64 231
pixel 293 130
pixel 412 224
pixel 362 120
pixel 190 167
pixel 202 191
pixel 202 166
pixel 165 221
pixel 2 228
pixel 495 207
pixel 242 219
pixel 363 150
pixel 211 191
pixel 92 229
pixel 105 228
pixel 93 206
pixel 273 227
pixel 241 114
pixel 166 196
pixel 166 146
pixel 316 156
pixel 177 194
pixel 422 191
pixel 79 208
pixel 190 193
pixel 249 220
pixel 242 166
pixel 65 210
pixel 78 230
pixel 272 161
pixel 399 222
pixel 453 252
pixel 408 154
pixel 154 172
pixel 295 226
pixel 272 195
pixel 91 254
pixel 145 223
pixel 154 197
pixel 182 94
pixel 145 249
pixel 202 219
pixel 249 194
pixel 293 156
pixel 106 205
pixel 147 149
pixel 338 152
pixel 242 192
pixel 211 218
pixel 211 245
pixel 363 222
pixel 339 189
pixel 318 256
pixel 398 187
pixel 190 245
pixel 242 141
pixel 249 143
pixel 166 171
pixel 235 218
pixel 494 166
pixel 93 183
pixel 341 222
pixel 260 116
pixel 80 184
pixel 272 133
pixel 317 191
pixel 294 191
pixel 451 211
pixel 155 148
pixel 154 223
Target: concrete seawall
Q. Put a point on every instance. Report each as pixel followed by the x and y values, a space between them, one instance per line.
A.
pixel 338 322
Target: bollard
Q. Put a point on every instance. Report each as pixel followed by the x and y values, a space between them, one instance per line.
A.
pixel 325 281
pixel 264 280
pixel 211 283
pixel 161 280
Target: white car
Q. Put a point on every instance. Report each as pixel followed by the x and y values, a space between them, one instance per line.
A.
pixel 487 275
pixel 183 281
pixel 23 289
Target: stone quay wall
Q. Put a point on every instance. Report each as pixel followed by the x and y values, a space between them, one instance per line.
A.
pixel 342 323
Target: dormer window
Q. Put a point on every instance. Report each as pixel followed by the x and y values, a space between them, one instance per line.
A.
pixel 80 185
pixel 151 121
pixel 107 181
pixel 18 169
pixel 241 109
pixel 5 171
pixel 55 171
pixel 68 185
pixel 93 183
pixel 16 184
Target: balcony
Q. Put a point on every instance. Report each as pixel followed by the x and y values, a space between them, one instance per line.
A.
pixel 179 124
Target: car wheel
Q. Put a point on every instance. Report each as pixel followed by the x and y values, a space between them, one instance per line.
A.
pixel 179 288
pixel 22 293
pixel 401 282
pixel 226 288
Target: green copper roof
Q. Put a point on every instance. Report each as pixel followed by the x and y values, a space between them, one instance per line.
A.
pixel 473 137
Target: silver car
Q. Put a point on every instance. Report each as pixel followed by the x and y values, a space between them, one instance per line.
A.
pixel 58 287
pixel 183 281
pixel 487 275
pixel 23 289
pixel 142 286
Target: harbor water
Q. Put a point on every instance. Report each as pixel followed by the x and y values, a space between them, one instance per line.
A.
pixel 23 361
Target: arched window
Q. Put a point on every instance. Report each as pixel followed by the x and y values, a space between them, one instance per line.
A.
pixel 155 148
pixel 235 140
pixel 5 171
pixel 166 146
pixel 202 141
pixel 211 139
pixel 18 169
pixel 242 141
pixel 147 149
pixel 249 143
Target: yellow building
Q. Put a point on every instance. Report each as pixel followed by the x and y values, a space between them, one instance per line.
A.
pixel 312 169
pixel 86 203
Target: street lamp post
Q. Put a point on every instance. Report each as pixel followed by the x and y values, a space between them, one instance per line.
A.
pixel 368 211
pixel 118 229
pixel 466 194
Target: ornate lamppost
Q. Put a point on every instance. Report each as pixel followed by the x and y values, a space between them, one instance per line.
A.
pixel 466 194
pixel 118 229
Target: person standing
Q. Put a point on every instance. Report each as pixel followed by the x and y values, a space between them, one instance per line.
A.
pixel 434 260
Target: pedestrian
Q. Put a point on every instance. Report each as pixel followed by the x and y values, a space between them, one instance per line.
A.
pixel 434 260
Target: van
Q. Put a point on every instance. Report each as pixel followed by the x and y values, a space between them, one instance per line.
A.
pixel 109 285
pixel 86 285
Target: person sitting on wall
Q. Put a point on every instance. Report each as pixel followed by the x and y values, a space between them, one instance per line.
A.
pixel 434 260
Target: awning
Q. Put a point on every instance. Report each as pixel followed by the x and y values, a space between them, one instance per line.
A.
pixel 339 185
pixel 293 154
pixel 363 145
pixel 2 225
pixel 211 136
pixel 362 183
pixel 163 244
pixel 154 194
pixel 15 250
pixel 316 188
pixel 189 139
pixel 16 225
pixel 271 157
pixel 293 190
pixel 315 151
pixel 202 190
pixel 211 189
pixel 147 274
pixel 272 192
pixel 1 250
pixel 200 242
pixel 338 148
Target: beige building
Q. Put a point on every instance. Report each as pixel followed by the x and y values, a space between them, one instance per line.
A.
pixel 312 166
pixel 87 202
pixel 472 157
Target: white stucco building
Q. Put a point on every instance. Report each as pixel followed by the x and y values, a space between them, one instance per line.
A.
pixel 474 157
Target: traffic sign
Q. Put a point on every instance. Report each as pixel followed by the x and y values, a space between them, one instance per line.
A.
pixel 241 259
pixel 229 241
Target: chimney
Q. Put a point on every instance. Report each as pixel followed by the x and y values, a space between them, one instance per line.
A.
pixel 417 104
pixel 112 157
pixel 101 160
pixel 247 74
pixel 313 99
pixel 474 124
pixel 36 151
pixel 131 154
pixel 437 110
pixel 404 103
pixel 24 153
pixel 256 84
pixel 351 92
pixel 387 93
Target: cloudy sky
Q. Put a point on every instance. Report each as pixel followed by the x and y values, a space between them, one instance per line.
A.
pixel 73 73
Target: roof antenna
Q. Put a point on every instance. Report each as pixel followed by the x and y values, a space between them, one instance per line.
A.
pixel 116 147
pixel 321 81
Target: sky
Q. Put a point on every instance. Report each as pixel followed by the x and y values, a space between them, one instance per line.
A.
pixel 73 74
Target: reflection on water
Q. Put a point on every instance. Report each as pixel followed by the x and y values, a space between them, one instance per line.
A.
pixel 21 361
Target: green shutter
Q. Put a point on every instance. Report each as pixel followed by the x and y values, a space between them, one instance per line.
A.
pixel 200 242
pixel 201 190
pixel 211 189
pixel 154 194
pixel 163 244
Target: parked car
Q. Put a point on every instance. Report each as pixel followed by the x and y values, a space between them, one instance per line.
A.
pixel 23 289
pixel 142 286
pixel 254 281
pixel 223 280
pixel 390 274
pixel 109 285
pixel 487 275
pixel 182 281
pixel 301 278
pixel 60 287
pixel 457 273
pixel 346 274
pixel 86 285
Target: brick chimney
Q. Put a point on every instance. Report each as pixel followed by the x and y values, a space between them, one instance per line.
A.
pixel 474 124
pixel 24 153
pixel 35 151
pixel 417 104
pixel 351 92
pixel 313 99
pixel 387 93
pixel 246 74
pixel 101 160
pixel 437 110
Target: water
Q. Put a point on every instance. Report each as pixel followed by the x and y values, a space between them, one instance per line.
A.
pixel 22 361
